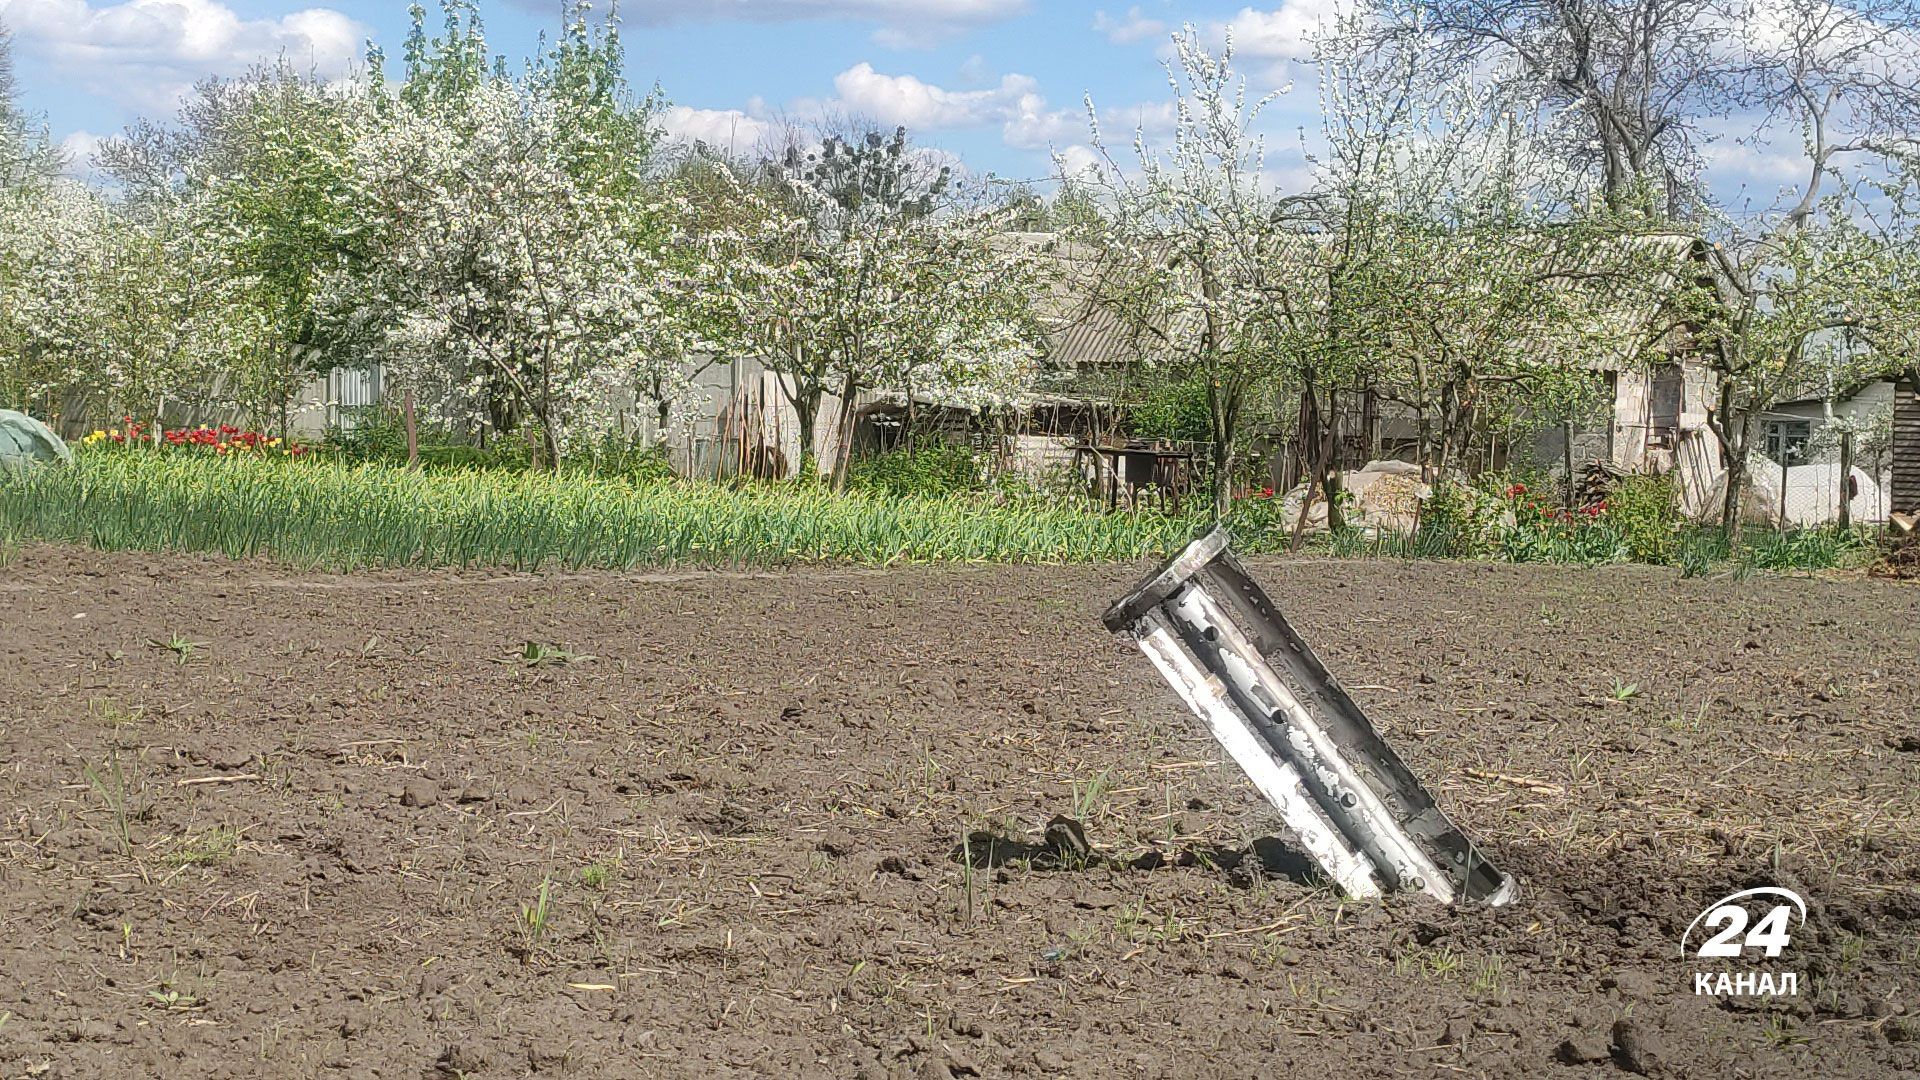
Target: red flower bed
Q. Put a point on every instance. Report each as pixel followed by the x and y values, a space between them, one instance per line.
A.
pixel 225 439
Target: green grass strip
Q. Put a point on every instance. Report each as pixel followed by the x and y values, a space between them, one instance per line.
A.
pixel 342 516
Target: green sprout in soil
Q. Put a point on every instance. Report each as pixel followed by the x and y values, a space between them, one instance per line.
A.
pixel 539 654
pixel 536 918
pixel 172 1000
pixel 110 783
pixel 1090 798
pixel 598 875
pixel 211 846
pixel 181 648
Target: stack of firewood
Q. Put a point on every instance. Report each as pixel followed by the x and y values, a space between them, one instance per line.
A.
pixel 1596 483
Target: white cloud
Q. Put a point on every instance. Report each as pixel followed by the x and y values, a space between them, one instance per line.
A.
pixel 1078 159
pixel 146 54
pixel 1119 123
pixel 79 148
pixel 1752 161
pixel 920 105
pixel 900 23
pixel 723 129
pixel 1015 103
pixel 1034 125
pixel 1129 28
pixel 1277 40
pixel 974 71
pixel 1285 33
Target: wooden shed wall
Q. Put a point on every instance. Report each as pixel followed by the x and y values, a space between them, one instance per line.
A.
pixel 1906 448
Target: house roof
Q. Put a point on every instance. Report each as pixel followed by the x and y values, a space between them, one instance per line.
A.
pixel 1083 334
pixel 1848 394
pixel 1080 332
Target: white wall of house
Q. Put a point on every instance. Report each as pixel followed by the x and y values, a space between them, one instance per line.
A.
pixel 735 418
pixel 1796 420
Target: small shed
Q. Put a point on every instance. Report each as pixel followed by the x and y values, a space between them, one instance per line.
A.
pixel 1906 446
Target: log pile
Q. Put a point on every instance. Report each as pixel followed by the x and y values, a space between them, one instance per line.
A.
pixel 1597 483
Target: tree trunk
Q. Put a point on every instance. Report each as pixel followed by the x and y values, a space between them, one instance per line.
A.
pixel 1846 479
pixel 843 452
pixel 1307 436
pixel 550 441
pixel 1423 435
pixel 1566 449
pixel 1223 476
pixel 413 431
pixel 1736 453
pixel 806 407
pixel 1330 464
pixel 1223 410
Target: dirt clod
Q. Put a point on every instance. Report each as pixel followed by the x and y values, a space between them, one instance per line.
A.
pixel 1582 1047
pixel 837 843
pixel 419 792
pixel 1637 1047
pixel 1067 840
pixel 464 1057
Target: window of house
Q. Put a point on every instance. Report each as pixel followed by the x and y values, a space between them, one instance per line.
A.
pixel 1663 404
pixel 1788 439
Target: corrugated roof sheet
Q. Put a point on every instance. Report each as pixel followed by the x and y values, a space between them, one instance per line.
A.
pixel 1083 334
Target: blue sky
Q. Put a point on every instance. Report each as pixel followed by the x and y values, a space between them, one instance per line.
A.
pixel 999 82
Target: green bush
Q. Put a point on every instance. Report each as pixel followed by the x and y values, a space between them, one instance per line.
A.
pixel 1174 410
pixel 929 470
pixel 1259 522
pixel 1823 548
pixel 623 458
pixel 379 434
pixel 1697 550
pixel 1645 512
pixel 1449 509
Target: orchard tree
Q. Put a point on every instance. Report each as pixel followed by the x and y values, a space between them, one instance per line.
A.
pixel 857 265
pixel 28 159
pixel 1765 318
pixel 52 243
pixel 973 337
pixel 152 322
pixel 1188 248
pixel 1646 81
pixel 40 217
pixel 1844 80
pixel 285 219
pixel 1433 267
pixel 516 266
pixel 1639 78
pixel 517 291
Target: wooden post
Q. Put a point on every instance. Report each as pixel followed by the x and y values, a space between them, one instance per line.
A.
pixel 413 432
pixel 1846 479
pixel 1566 453
pixel 1784 458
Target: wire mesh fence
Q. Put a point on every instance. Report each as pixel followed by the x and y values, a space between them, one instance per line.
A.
pixel 1798 496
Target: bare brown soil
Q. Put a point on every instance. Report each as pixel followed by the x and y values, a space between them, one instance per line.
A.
pixel 317 843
